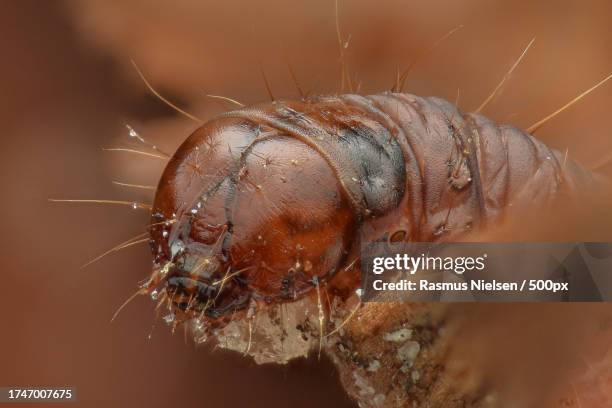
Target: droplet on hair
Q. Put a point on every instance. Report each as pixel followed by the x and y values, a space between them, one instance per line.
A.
pixel 169 318
pixel 132 132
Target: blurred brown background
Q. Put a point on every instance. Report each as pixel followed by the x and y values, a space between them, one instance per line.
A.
pixel 68 88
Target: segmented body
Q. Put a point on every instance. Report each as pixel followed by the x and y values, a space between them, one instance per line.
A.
pixel 279 195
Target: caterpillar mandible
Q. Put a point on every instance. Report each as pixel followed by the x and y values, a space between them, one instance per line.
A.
pixel 263 204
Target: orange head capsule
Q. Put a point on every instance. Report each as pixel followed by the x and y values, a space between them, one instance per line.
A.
pixel 245 212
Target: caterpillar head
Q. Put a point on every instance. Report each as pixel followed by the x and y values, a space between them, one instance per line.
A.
pixel 244 213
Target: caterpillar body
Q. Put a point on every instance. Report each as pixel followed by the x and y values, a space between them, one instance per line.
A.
pixel 265 203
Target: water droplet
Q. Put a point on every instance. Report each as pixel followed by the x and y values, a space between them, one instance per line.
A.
pixel 165 234
pixel 194 210
pixel 359 292
pixel 169 318
pixel 132 132
pixel 154 294
pixel 199 205
pixel 198 325
pixel 135 206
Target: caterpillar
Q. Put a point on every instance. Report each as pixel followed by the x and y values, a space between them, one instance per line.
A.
pixel 264 204
pixel 259 216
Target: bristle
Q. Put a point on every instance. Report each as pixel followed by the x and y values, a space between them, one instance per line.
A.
pixel 167 102
pixel 505 78
pixel 533 128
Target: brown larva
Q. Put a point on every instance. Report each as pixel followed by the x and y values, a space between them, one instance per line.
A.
pixel 260 214
pixel 265 204
pixel 269 204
